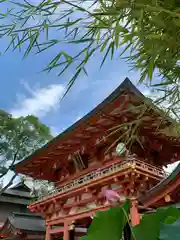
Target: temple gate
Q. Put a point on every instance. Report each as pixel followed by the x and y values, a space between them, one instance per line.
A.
pixel 119 145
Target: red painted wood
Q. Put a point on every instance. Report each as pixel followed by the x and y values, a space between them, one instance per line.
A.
pixel 58 153
pixel 134 215
pixel 152 201
pixel 78 215
pixel 112 161
pixel 89 144
pixel 48 235
pixel 66 231
pixel 81 189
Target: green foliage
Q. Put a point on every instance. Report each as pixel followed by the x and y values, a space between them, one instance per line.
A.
pixel 169 231
pixel 163 224
pixel 18 138
pixel 147 31
pixel 109 224
pixel 41 189
pixel 152 225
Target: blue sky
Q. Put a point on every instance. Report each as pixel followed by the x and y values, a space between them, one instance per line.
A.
pixel 25 90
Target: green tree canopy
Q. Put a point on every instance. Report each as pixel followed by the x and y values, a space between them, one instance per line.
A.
pixel 19 137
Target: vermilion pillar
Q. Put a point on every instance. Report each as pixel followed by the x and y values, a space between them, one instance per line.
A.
pixel 66 231
pixel 48 235
pixel 134 214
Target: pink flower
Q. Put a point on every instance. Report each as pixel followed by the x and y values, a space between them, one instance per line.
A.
pixel 110 195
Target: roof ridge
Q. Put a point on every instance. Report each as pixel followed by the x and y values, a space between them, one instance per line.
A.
pixel 19 185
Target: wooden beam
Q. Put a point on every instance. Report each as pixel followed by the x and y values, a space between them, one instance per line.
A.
pixel 81 203
pixel 78 215
pixel 162 193
pixel 79 190
pixel 110 117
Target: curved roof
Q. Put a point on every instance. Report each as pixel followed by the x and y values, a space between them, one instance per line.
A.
pixel 94 126
pixel 25 222
pixel 155 197
pixel 20 190
pixel 21 186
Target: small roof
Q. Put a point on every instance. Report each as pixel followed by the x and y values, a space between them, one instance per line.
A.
pixel 20 190
pixel 90 131
pixel 28 222
pixel 25 222
pixel 21 186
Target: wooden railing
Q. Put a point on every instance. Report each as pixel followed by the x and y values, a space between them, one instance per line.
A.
pixel 106 171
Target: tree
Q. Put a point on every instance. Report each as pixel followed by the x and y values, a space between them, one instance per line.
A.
pixel 41 189
pixel 148 31
pixel 19 137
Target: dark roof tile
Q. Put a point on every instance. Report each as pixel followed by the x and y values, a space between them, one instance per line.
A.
pixel 28 222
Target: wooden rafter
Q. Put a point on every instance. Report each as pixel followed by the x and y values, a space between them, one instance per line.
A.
pixel 117 104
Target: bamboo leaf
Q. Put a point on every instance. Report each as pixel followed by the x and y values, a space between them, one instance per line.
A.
pixel 73 79
pixel 162 84
pixel 81 41
pixel 112 50
pixel 104 45
pixel 106 54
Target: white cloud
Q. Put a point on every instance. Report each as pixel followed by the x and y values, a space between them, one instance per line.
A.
pixel 151 93
pixel 41 101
